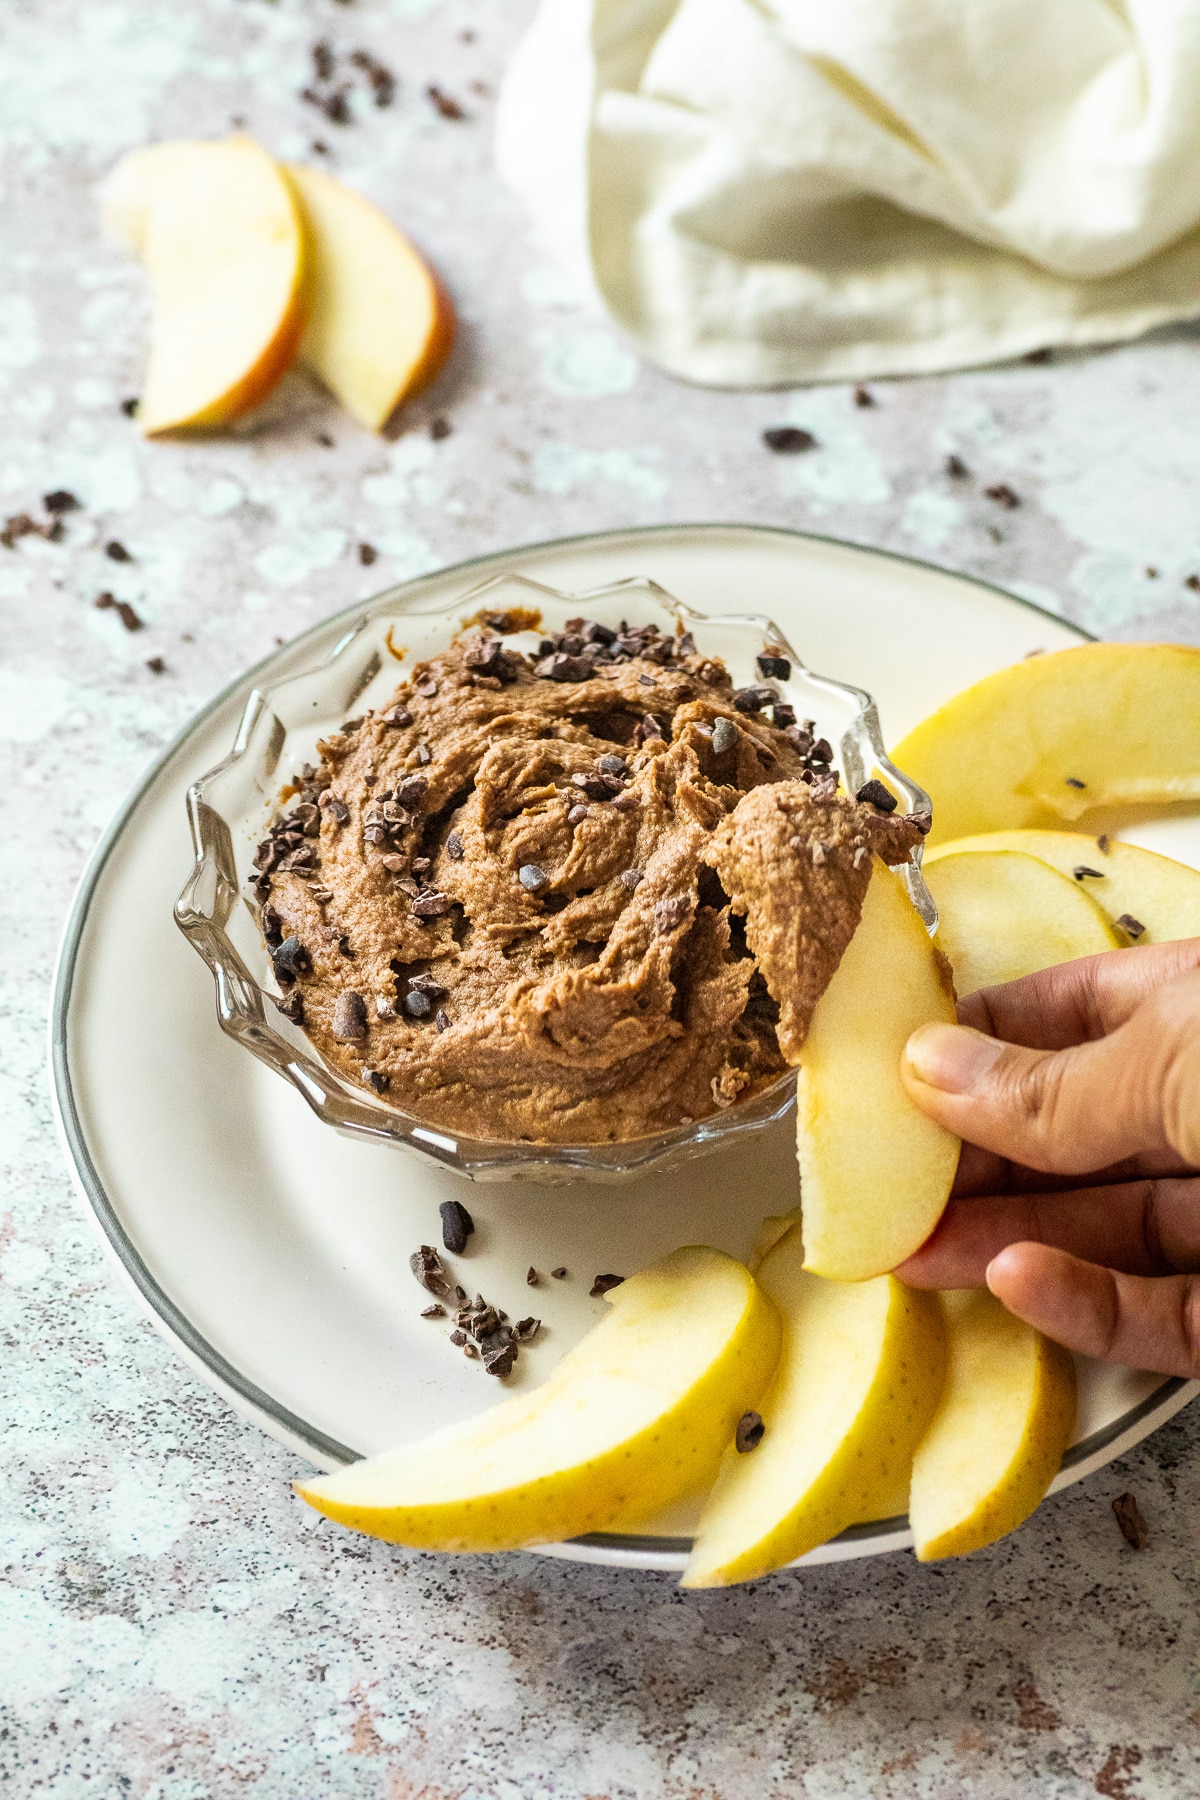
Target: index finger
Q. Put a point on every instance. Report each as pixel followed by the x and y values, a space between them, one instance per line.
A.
pixel 1074 1002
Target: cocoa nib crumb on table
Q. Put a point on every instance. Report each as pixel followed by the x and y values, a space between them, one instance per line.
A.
pixel 579 897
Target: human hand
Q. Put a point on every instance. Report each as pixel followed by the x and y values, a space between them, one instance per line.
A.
pixel 1089 1070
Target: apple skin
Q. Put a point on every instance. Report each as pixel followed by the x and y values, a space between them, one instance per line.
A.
pixel 381 324
pixel 1050 738
pixel 998 1437
pixel 213 222
pixel 638 1414
pixel 858 1381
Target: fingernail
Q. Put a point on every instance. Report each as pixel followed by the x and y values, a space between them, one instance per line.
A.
pixel 952 1058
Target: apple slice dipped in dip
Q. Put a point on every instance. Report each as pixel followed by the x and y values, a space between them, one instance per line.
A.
pixel 572 898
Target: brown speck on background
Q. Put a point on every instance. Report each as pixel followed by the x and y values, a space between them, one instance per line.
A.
pixel 1129 1518
pixel 864 397
pixel 129 407
pixel 1003 495
pixel 445 103
pixel 1151 572
pixel 1193 582
pixel 956 468
pixel 1034 1713
pixel 1115 1779
pixel 1130 926
pixel 1102 844
pixel 107 602
pixel 439 428
pixel 788 440
pixel 60 501
pixel 604 1284
pixel 1073 781
pixel 1043 355
pixel 116 551
pixel 156 665
pixel 318 148
pixel 1081 871
pixel 367 554
pixel 324 61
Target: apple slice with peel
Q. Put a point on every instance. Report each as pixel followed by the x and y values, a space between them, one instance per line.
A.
pixel 220 233
pixel 997 1439
pixel 857 1383
pixel 875 1172
pixel 637 1414
pixel 1043 741
pixel 381 326
pixel 1002 914
pixel 1125 881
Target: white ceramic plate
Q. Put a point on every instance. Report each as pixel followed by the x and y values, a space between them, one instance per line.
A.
pixel 273 1253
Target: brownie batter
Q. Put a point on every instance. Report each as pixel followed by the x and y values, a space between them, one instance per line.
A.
pixel 571 899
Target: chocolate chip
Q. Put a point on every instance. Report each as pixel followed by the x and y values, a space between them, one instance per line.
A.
pixel 1003 495
pixel 60 501
pixel 349 1016
pixel 442 1019
pixel 454 847
pixel 378 1082
pixel 671 912
pixel 418 1006
pixel 1130 926
pixel 424 754
pixel 430 1271
pixel 458 1337
pixel 651 728
pixel 873 793
pixel 272 926
pixel 531 1276
pixel 116 551
pixel 433 1312
pixel 412 790
pixel 725 737
pixel 613 765
pixel 531 877
pixel 956 468
pixel 457 1225
pixel 753 699
pixel 334 808
pixel 788 440
pixel 397 716
pixel 431 905
pixel 772 667
pixel 292 1007
pixel 631 878
pixel 604 1284
pixel 561 667
pixel 577 815
pixel 1081 872
pixel 749 1435
pixel 291 959
pixel 559 1274
pixel 1129 1518
pixel 427 689
pixel 500 1362
pixel 525 1330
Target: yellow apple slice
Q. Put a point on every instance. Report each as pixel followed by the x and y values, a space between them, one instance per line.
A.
pixel 857 1383
pixel 997 1440
pixel 875 1172
pixel 1126 882
pixel 1002 914
pixel 381 325
pixel 219 231
pixel 636 1415
pixel 1100 725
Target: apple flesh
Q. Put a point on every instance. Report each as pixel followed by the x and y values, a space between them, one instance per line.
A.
pixel 219 231
pixel 380 325
pixel 1002 915
pixel 997 1439
pixel 857 1383
pixel 636 1415
pixel 875 1172
pixel 1125 881
pixel 1044 741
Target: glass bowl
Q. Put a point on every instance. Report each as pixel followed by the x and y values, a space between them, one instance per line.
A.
pixel 230 808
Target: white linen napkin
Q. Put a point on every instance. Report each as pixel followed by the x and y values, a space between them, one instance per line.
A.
pixel 764 192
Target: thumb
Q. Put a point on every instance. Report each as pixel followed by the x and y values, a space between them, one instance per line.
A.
pixel 1068 1111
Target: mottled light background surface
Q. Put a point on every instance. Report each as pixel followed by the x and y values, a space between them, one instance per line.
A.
pixel 172 1622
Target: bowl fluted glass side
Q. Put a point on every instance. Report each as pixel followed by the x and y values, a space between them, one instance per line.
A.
pixel 230 808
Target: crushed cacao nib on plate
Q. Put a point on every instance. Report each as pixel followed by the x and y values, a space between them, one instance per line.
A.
pixel 522 907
